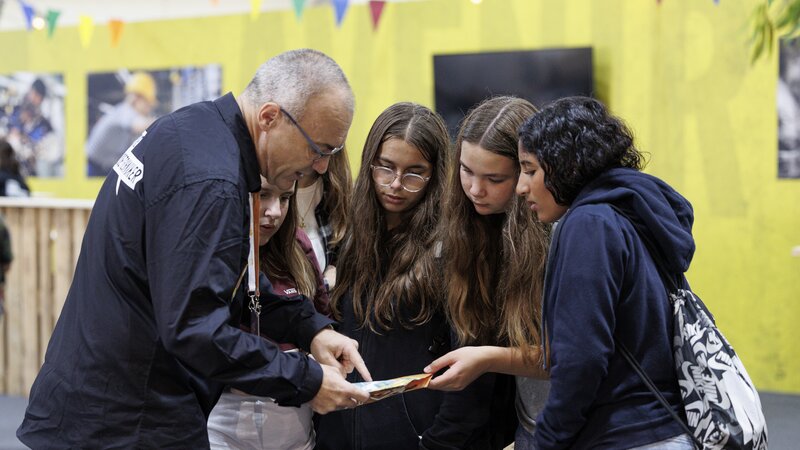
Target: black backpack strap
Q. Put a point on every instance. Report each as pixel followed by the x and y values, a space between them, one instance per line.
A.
pixel 649 383
pixel 671 285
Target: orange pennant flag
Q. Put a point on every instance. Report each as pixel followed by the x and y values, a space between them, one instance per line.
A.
pixel 115 27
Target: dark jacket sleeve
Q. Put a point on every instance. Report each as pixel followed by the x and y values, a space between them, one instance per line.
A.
pixel 463 417
pixel 6 255
pixel 475 417
pixel 194 243
pixel 581 297
pixel 286 319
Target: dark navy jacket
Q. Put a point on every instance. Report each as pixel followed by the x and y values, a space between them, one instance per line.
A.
pixel 600 282
pixel 144 342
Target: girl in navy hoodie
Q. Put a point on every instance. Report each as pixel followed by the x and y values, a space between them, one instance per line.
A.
pixel 578 163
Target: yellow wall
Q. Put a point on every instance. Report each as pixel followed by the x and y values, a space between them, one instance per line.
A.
pixel 678 72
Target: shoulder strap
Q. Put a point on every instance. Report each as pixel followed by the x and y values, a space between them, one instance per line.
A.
pixel 649 383
pixel 669 283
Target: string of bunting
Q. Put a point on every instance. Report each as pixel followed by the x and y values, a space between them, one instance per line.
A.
pixel 36 19
pixel 716 2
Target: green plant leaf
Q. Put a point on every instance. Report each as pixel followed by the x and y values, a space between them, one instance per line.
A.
pixel 789 17
pixel 758 46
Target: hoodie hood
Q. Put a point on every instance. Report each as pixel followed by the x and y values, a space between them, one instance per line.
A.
pixel 658 212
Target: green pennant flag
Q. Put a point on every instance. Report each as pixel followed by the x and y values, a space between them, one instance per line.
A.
pixel 299 5
pixel 52 18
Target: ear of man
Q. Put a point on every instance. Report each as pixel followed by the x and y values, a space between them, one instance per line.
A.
pixel 268 115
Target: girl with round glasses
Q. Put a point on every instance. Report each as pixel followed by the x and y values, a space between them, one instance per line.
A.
pixel 494 253
pixel 385 176
pixel 389 294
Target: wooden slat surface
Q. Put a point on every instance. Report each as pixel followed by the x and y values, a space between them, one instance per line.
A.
pixel 28 260
pixel 3 340
pixel 45 280
pixel 46 241
pixel 14 299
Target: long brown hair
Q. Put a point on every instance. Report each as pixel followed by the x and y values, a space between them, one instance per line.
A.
pixel 338 183
pixel 410 275
pixel 282 256
pixel 494 264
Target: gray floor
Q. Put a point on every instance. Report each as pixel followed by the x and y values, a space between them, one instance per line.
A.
pixel 11 412
pixel 782 413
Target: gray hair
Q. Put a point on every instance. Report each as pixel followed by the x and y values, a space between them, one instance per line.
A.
pixel 291 78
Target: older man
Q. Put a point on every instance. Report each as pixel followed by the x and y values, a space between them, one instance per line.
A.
pixel 144 344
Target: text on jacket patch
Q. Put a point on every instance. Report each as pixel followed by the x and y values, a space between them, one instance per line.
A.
pixel 129 169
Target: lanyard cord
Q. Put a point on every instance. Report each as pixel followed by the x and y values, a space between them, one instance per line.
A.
pixel 252 264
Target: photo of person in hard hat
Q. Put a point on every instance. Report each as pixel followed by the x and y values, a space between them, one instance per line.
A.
pixel 121 124
pixel 123 103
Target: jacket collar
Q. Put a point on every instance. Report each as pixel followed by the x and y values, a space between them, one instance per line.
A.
pixel 232 115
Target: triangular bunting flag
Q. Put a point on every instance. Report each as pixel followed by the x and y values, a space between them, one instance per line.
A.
pixel 255 9
pixel 340 8
pixel 298 8
pixel 115 27
pixel 85 29
pixel 51 17
pixel 376 7
pixel 29 13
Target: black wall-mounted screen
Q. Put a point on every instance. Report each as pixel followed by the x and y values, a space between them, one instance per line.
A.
pixel 540 76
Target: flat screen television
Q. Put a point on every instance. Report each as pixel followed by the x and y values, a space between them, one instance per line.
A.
pixel 463 80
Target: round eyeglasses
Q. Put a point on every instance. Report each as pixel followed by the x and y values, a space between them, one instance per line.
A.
pixel 385 176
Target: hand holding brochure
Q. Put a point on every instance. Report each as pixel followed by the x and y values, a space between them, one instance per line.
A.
pixel 379 390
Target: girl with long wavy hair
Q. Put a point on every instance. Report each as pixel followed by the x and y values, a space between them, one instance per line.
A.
pixel 388 295
pixel 240 420
pixel 494 252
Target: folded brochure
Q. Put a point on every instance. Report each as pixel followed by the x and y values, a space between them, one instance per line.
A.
pixel 379 390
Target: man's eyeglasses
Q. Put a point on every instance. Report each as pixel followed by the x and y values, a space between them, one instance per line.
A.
pixel 385 176
pixel 320 152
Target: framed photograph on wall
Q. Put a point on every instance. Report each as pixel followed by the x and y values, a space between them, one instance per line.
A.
pixel 32 121
pixel 122 104
pixel 788 103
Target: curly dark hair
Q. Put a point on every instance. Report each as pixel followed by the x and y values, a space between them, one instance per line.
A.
pixel 575 139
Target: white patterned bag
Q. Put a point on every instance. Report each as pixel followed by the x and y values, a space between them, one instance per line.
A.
pixel 722 406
